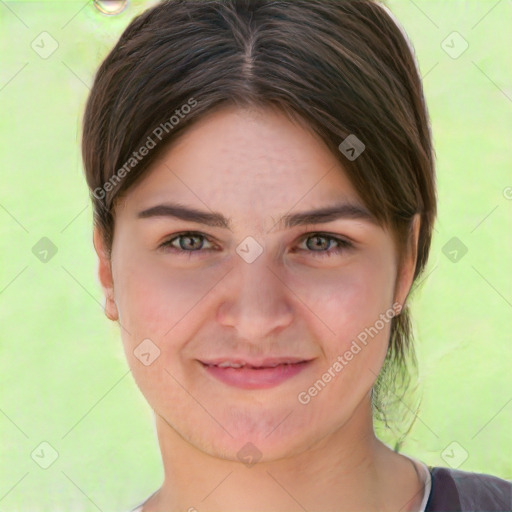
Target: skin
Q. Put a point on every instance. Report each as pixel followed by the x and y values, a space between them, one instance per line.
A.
pixel 254 166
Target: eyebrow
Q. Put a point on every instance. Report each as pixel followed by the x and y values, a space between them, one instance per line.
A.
pixel 214 219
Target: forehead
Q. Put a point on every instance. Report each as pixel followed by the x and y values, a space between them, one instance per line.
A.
pixel 245 160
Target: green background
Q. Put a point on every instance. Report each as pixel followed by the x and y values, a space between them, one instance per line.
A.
pixel 63 375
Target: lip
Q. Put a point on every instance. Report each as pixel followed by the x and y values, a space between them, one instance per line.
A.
pixel 268 361
pixel 257 378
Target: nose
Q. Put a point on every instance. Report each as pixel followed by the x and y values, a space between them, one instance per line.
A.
pixel 256 301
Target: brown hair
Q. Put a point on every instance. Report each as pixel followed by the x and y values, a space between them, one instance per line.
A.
pixel 340 67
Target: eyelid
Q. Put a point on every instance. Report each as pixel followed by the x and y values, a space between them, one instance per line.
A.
pixel 167 240
pixel 326 234
pixel 344 243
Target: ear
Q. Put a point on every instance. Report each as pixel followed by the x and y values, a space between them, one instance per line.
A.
pixel 105 275
pixel 405 274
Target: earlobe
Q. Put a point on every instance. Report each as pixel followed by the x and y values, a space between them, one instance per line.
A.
pixel 105 275
pixel 110 308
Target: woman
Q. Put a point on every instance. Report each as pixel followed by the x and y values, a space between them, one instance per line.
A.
pixel 268 169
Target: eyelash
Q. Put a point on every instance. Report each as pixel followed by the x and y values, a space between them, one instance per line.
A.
pixel 342 244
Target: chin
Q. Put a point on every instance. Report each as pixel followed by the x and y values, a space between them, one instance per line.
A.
pixel 255 438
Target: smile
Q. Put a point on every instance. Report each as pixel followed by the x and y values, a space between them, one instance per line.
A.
pixel 245 376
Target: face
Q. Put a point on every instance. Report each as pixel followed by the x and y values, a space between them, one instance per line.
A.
pixel 251 280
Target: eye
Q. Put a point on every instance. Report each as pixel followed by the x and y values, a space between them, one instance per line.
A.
pixel 321 244
pixel 191 242
pixel 188 242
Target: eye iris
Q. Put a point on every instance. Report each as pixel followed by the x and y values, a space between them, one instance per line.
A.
pixel 318 245
pixel 188 238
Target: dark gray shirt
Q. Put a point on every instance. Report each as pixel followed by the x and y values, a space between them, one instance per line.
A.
pixel 453 490
pixel 463 491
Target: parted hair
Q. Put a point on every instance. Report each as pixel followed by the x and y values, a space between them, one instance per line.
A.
pixel 339 67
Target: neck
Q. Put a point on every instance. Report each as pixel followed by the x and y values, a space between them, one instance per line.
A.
pixel 349 469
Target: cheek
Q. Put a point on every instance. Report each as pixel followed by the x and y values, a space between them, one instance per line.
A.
pixel 347 299
pixel 350 303
pixel 155 300
pixel 166 306
pixel 347 304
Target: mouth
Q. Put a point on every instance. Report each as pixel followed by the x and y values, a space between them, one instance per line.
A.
pixel 255 375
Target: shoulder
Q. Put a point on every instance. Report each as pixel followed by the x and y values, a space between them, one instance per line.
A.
pixel 454 490
pixel 141 504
